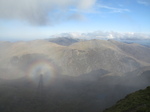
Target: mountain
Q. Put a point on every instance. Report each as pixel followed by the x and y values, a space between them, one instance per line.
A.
pixel 144 42
pixel 138 101
pixel 108 55
pixel 79 58
pixel 87 76
pixel 65 41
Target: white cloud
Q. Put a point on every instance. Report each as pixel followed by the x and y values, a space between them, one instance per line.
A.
pixel 41 12
pixel 113 9
pixel 104 35
pixel 70 35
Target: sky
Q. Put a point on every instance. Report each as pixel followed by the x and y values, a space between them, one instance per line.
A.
pixel 41 19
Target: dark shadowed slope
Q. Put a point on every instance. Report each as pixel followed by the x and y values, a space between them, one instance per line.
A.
pixel 65 41
pixel 92 92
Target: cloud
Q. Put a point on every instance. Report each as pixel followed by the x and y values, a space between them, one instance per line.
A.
pixel 113 9
pixel 144 2
pixel 70 35
pixel 42 12
pixel 98 9
pixel 76 16
pixel 104 35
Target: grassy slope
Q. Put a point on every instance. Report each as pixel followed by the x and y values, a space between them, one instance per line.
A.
pixel 136 102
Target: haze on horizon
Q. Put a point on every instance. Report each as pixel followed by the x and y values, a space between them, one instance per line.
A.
pixel 34 19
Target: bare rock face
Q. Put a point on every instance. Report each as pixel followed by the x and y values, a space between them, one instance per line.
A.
pixel 74 60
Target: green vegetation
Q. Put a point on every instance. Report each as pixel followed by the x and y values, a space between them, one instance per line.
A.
pixel 136 102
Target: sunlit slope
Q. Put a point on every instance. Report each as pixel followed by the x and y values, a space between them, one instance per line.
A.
pixel 135 50
pixel 96 54
pixel 17 57
pixel 37 46
pixel 76 59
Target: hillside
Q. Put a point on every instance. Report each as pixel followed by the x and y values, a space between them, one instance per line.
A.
pixel 138 101
pixel 76 59
pixel 87 76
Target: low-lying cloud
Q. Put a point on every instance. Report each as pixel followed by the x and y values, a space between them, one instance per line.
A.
pixel 104 35
pixel 42 12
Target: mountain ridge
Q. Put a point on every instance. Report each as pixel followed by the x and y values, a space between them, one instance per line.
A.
pixel 85 76
pixel 81 57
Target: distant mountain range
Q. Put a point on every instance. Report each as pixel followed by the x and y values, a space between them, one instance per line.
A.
pixel 144 42
pixel 69 40
pixel 79 58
